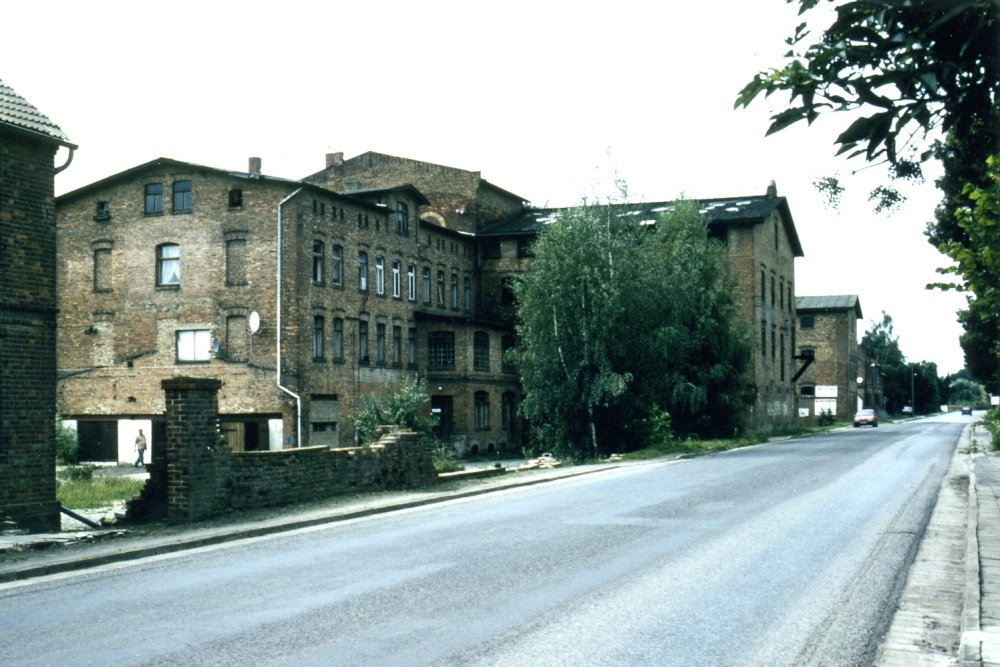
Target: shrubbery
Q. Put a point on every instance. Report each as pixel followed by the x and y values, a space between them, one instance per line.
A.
pixel 67 445
pixel 402 405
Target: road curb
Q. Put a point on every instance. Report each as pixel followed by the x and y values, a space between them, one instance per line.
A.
pixel 85 562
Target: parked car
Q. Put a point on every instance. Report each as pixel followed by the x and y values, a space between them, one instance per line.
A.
pixel 907 410
pixel 866 418
pixel 967 410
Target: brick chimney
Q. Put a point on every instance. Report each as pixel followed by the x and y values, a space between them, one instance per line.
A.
pixel 772 190
pixel 334 159
pixel 255 165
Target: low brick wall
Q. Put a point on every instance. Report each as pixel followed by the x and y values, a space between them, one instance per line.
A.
pixel 195 476
pixel 262 479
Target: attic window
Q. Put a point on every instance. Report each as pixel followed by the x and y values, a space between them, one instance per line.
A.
pixel 808 322
pixel 103 211
pixel 236 198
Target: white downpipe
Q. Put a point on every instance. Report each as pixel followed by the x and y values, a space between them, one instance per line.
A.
pixel 298 399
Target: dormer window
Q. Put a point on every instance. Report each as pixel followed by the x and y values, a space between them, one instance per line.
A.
pixel 402 219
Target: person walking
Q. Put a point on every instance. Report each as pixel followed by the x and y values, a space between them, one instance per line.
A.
pixel 140 448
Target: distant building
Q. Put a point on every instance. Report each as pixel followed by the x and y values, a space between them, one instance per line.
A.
pixel 28 145
pixel 836 380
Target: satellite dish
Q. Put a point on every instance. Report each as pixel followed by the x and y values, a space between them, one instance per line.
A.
pixel 254 322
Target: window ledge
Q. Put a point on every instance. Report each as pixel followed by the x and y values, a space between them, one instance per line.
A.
pixel 168 288
pixel 102 218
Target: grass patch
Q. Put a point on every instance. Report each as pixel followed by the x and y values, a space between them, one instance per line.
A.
pixel 79 494
pixel 694 447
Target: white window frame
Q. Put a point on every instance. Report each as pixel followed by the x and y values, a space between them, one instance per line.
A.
pixel 194 345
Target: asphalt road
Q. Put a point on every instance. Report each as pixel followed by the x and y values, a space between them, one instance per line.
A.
pixel 791 553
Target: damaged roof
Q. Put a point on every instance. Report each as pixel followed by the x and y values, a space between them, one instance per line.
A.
pixel 723 211
pixel 21 114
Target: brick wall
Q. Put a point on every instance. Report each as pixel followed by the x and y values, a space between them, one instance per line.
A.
pixel 833 338
pixel 197 477
pixel 27 332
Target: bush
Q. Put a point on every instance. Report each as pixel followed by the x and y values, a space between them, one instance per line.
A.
pixel 657 426
pixel 76 473
pixel 992 422
pixel 67 445
pixel 826 418
pixel 444 460
pixel 398 406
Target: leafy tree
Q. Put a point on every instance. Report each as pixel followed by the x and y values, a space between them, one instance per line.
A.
pixel 913 67
pixel 402 405
pixel 906 72
pixel 619 322
pixel 968 392
pixel 982 331
pixel 67 445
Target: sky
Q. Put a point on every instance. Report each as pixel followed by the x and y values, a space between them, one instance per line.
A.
pixel 549 100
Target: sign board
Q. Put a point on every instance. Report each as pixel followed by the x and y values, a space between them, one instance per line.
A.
pixel 803 412
pixel 826 391
pixel 826 405
pixel 994 400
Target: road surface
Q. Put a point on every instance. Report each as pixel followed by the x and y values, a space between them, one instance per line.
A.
pixel 790 553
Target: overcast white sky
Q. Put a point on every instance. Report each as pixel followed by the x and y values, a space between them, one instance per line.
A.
pixel 546 99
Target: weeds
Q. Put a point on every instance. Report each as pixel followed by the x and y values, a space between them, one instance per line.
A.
pixel 86 487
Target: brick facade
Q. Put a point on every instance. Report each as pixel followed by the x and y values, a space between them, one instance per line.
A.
pixel 363 288
pixel 27 319
pixel 827 327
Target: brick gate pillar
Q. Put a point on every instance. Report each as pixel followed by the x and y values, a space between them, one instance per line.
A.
pixel 193 439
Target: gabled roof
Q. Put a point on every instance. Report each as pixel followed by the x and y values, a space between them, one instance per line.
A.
pixel 724 211
pixel 17 112
pixel 829 303
pixel 190 166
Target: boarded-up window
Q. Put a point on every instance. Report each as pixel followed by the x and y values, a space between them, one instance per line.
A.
pixel 236 262
pixel 102 270
pixel 323 418
pixel 236 338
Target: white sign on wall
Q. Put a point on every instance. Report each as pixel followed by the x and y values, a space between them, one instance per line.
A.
pixel 826 391
pixel 826 405
pixel 803 412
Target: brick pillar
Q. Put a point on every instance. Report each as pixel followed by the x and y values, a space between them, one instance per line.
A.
pixel 193 441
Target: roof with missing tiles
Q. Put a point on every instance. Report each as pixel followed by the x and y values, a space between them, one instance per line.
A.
pixel 19 113
pixel 721 211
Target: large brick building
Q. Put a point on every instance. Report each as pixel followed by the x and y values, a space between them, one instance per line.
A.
pixel 828 330
pixel 299 299
pixel 28 145
pixel 761 246
pixel 759 233
pixel 387 267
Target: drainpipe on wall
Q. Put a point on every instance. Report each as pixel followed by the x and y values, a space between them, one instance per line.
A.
pixel 298 399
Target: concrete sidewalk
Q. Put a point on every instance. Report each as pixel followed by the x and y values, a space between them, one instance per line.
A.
pixel 949 611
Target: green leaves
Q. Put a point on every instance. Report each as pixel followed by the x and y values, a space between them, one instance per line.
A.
pixel 615 317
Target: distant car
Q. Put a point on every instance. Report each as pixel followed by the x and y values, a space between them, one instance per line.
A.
pixel 967 410
pixel 907 410
pixel 866 418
